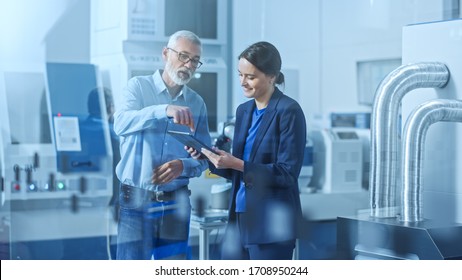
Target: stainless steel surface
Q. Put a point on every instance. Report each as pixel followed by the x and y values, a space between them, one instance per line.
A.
pixel 320 206
pixel 384 129
pixel 205 222
pixel 366 237
pixel 415 132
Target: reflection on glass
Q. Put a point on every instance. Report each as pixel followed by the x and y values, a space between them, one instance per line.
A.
pixel 27 108
pixel 73 95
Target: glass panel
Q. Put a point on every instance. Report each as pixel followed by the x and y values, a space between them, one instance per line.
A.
pixel 27 108
pixel 77 117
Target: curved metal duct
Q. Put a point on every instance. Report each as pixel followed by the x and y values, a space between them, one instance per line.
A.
pixel 384 129
pixel 414 135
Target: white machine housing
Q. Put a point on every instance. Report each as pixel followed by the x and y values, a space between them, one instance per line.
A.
pixel 338 160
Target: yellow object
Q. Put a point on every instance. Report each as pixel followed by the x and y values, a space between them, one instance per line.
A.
pixel 210 175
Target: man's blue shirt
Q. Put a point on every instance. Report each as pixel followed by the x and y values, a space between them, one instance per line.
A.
pixel 141 123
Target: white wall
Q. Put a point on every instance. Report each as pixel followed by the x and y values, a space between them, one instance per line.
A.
pixel 32 32
pixel 69 38
pixel 293 27
pixel 324 39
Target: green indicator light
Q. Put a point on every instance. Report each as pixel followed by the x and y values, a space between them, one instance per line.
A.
pixel 61 185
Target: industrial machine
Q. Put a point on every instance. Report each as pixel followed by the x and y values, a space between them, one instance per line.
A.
pixel 337 160
pixel 415 200
pixel 306 173
pixel 360 122
pixel 331 185
pixel 56 161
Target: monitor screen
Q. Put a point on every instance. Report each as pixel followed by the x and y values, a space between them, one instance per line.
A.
pixel 198 16
pixel 206 85
pixel 347 135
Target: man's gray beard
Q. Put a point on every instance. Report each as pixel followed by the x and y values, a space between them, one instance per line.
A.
pixel 177 80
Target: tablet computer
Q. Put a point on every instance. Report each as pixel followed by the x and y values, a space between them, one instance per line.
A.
pixel 189 140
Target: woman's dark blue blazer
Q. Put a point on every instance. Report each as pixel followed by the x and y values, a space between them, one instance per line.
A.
pixel 273 209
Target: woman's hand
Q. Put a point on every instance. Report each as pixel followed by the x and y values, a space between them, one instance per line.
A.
pixel 222 159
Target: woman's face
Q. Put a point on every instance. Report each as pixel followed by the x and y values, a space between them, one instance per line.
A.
pixel 255 83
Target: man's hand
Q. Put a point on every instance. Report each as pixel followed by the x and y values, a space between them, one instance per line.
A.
pixel 194 153
pixel 167 172
pixel 181 115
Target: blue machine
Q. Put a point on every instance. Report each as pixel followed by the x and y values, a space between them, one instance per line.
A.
pixel 77 99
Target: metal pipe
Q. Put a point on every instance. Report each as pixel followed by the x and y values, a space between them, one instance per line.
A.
pixel 414 135
pixel 384 129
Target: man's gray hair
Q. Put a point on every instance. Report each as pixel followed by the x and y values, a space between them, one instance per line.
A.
pixel 185 34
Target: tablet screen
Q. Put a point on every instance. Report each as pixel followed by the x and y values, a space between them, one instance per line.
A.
pixel 189 140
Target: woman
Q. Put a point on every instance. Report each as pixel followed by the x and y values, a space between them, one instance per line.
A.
pixel 267 155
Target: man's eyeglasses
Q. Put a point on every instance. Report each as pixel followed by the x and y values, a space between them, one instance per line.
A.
pixel 186 58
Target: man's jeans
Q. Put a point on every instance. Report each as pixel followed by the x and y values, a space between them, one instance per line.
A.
pixel 151 227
